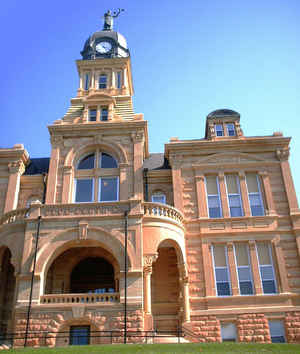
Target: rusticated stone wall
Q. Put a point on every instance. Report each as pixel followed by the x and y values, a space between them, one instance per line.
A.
pixel 253 328
pixel 205 329
pixel 292 327
pixel 52 328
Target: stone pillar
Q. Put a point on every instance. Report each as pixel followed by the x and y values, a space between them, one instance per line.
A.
pixel 201 197
pixel 285 288
pixel 138 147
pixel 93 80
pixel 244 193
pixel 208 269
pixel 67 185
pixel 184 280
pixel 148 261
pixel 223 195
pixel 255 268
pixel 175 161
pixel 232 269
pixel 124 185
pixel 270 206
pixel 56 142
pixel 283 156
pixel 16 169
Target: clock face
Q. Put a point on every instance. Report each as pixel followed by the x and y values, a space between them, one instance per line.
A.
pixel 103 47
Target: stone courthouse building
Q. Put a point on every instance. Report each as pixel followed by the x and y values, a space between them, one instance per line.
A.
pixel 212 224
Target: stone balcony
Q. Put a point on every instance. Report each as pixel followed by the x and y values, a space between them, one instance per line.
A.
pixel 86 298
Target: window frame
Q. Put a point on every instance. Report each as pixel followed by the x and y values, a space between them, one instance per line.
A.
pixel 102 85
pixel 89 114
pixel 119 79
pixel 222 324
pixel 213 195
pixel 283 328
pixel 244 267
pixel 99 189
pixel 217 130
pixel 227 269
pixel 75 189
pixel 102 109
pixel 87 82
pixel 228 130
pixel 267 265
pixel 159 194
pixel 234 195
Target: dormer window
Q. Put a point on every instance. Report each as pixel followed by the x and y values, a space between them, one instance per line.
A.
pixel 230 129
pixel 219 130
pixel 92 115
pixel 104 114
pixel 102 81
pixel 87 81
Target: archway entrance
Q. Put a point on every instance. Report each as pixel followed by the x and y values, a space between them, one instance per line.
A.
pixel 165 288
pixel 83 270
pixel 7 292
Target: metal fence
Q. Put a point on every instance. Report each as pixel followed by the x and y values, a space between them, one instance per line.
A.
pixel 65 338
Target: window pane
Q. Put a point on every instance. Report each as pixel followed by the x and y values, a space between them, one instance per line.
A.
pixel 159 198
pixel 84 190
pixel 108 189
pixel 92 115
pixel 246 288
pixel 267 272
pixel 269 287
pixel 235 206
pixel 230 129
pixel 232 186
pixel 219 130
pixel 107 161
pixel 119 80
pixel 104 114
pixel 256 205
pixel 241 253
pixel 219 256
pixel 211 185
pixel 87 81
pixel 252 185
pixel 223 289
pixel 87 162
pixel 263 253
pixel 221 275
pixel 244 274
pixel 214 208
pixel 102 81
pixel 228 332
pixel 80 335
pixel 277 331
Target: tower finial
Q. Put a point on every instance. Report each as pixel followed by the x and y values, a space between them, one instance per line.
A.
pixel 108 19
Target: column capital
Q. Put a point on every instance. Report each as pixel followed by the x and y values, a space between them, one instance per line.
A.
pixel 16 167
pixel 252 244
pixel 221 175
pixel 242 175
pixel 200 178
pixel 283 154
pixel 149 259
pixel 137 136
pixel 56 141
pixel 263 174
pixel 229 246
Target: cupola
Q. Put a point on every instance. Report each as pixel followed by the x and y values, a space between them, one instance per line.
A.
pixel 223 123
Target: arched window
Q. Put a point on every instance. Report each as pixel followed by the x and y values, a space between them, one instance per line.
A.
pixel 158 197
pixel 96 178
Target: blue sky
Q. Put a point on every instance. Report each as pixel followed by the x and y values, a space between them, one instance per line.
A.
pixel 188 59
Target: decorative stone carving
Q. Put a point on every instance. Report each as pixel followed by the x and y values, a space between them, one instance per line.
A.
pixel 137 136
pixel 78 311
pixel 57 141
pixel 148 261
pixel 16 167
pixel 82 230
pixel 98 139
pixel 283 154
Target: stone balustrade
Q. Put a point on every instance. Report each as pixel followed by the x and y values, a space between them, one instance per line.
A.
pixel 162 211
pixel 13 216
pixel 79 298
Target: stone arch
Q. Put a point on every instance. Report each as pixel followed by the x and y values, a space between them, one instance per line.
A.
pixel 16 253
pixel 114 148
pixel 177 247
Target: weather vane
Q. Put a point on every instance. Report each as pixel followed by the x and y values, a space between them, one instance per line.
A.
pixel 109 19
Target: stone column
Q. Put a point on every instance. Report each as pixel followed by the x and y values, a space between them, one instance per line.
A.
pixel 148 261
pixel 285 288
pixel 208 269
pixel 244 193
pixel 270 207
pixel 232 269
pixel 283 156
pixel 223 195
pixel 201 196
pixel 56 142
pixel 16 169
pixel 184 280
pixel 67 185
pixel 255 268
pixel 138 146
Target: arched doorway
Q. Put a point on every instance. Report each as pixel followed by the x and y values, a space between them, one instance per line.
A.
pixel 7 292
pixel 165 288
pixel 83 270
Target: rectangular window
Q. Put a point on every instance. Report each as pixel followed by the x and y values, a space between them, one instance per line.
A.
pixel 243 268
pixel 254 194
pixel 79 335
pixel 158 198
pixel 266 268
pixel 109 189
pixel 87 81
pixel 92 115
pixel 104 114
pixel 84 190
pixel 234 195
pixel 219 130
pixel 102 82
pixel 228 332
pixel 221 270
pixel 230 129
pixel 213 197
pixel 277 331
pixel 119 80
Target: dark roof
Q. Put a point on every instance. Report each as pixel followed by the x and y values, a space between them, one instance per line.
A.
pixel 156 161
pixel 37 166
pixel 223 113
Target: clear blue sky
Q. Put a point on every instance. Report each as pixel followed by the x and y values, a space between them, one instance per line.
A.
pixel 188 58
